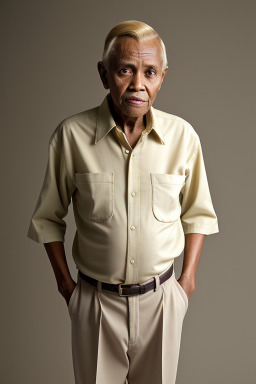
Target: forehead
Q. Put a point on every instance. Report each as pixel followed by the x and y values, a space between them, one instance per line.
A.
pixel 128 48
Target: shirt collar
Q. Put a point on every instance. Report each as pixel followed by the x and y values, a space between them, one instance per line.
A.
pixel 106 122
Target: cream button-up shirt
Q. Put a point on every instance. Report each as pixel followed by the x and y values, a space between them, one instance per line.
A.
pixel 132 206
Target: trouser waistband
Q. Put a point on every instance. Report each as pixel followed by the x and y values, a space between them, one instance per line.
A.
pixel 130 289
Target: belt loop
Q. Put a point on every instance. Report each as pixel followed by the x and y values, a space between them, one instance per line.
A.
pixel 99 286
pixel 157 282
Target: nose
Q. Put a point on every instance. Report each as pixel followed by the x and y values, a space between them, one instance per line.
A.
pixel 137 82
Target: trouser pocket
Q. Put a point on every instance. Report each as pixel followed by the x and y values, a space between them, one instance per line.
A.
pixel 73 295
pixel 182 292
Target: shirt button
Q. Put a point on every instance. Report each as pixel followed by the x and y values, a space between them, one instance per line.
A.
pixel 132 227
pixel 133 194
pixel 133 155
pixel 127 151
pixel 132 261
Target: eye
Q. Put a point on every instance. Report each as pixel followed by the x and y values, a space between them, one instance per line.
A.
pixel 124 69
pixel 151 72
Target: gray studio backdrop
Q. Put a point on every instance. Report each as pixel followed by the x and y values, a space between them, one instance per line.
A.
pixel 49 71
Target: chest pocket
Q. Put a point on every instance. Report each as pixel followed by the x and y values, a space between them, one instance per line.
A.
pixel 165 196
pixel 95 195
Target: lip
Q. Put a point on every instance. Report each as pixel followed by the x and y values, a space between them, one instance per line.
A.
pixel 135 101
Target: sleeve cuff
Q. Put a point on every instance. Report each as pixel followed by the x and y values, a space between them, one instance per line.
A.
pixel 203 229
pixel 45 237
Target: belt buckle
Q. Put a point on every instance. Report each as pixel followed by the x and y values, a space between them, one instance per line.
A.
pixel 120 289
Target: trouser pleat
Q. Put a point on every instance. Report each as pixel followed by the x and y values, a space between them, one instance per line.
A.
pixel 112 360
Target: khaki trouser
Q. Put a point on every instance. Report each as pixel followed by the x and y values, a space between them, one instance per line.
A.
pixel 126 339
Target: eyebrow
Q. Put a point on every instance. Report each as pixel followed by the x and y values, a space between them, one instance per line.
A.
pixel 126 64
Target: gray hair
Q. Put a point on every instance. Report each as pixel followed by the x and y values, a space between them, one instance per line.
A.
pixel 136 29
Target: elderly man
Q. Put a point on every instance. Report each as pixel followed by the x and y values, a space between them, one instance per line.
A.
pixel 140 196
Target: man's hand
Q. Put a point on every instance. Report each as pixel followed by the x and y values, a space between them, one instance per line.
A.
pixel 66 289
pixel 188 284
pixel 192 251
pixel 56 253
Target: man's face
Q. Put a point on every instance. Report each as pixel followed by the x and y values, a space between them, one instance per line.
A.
pixel 134 70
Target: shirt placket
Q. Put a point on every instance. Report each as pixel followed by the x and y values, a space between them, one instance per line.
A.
pixel 133 200
pixel 133 204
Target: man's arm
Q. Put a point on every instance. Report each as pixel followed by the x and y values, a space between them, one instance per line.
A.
pixel 57 257
pixel 192 251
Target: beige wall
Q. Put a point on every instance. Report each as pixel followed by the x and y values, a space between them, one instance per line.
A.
pixel 49 71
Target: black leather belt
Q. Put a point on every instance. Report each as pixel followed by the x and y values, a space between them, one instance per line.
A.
pixel 129 289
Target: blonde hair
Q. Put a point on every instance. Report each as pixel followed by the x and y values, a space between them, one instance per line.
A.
pixel 136 29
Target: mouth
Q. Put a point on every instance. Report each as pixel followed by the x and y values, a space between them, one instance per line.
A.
pixel 135 101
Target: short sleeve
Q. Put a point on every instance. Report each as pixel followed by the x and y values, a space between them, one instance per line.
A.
pixel 197 212
pixel 47 222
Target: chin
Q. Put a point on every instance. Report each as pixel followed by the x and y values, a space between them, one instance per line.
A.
pixel 135 111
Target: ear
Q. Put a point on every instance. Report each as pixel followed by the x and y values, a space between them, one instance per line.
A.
pixel 103 74
pixel 163 75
